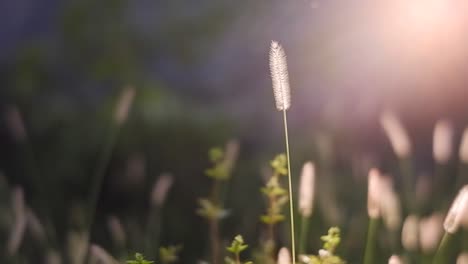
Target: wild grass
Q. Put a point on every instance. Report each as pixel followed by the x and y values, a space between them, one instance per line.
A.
pixel 410 218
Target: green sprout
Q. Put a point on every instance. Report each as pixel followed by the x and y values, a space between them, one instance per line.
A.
pixel 139 259
pixel 326 255
pixel 168 255
pixel 237 246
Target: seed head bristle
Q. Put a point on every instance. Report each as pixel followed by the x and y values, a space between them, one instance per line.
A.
pixel 409 233
pixel 160 189
pixel 430 232
pixel 442 144
pixel 279 76
pixel 373 194
pixel 307 189
pixel 396 133
pixel 283 256
pixel 463 152
pixel 100 255
pixel 458 212
pixel 394 259
pixel 124 104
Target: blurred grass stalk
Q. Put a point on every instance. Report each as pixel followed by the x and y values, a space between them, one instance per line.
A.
pixel 442 147
pixel 373 211
pixel 153 226
pixel 306 200
pixel 401 145
pixel 282 94
pixel 17 128
pixel 456 216
pixel 122 109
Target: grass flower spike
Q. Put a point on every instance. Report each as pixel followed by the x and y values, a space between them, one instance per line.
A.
pixel 306 189
pixel 396 133
pixel 279 77
pixel 283 256
pixel 463 152
pixel 306 201
pixel 442 144
pixel 430 232
pixel 458 211
pixel 394 259
pixel 409 233
pixel 124 104
pixel 373 194
pixel 282 93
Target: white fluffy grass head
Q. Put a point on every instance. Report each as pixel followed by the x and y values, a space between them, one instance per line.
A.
pixel 458 212
pixel 160 189
pixel 124 104
pixel 373 193
pixel 396 133
pixel 279 76
pixel 284 257
pixel 100 255
pixel 394 259
pixel 19 227
pixel 15 123
pixel 116 230
pixel 409 233
pixel 462 258
pixel 430 232
pixel 442 145
pixel 463 151
pixel 307 189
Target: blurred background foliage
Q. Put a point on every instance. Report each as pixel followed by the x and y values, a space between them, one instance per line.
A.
pixel 200 71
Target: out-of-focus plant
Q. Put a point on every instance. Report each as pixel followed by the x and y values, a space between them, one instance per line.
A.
pixel 139 259
pixel 237 246
pixel 169 254
pixel 276 197
pixel 326 255
pixel 212 208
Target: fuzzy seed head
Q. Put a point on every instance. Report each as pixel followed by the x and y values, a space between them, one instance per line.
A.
pixel 458 212
pixel 124 104
pixel 283 256
pixel 15 123
pixel 279 76
pixel 100 255
pixel 116 230
pixel 409 233
pixel 463 152
pixel 160 189
pixel 35 226
pixel 396 133
pixel 462 258
pixel 373 194
pixel 394 259
pixel 430 232
pixel 18 230
pixel 307 189
pixel 390 206
pixel 443 141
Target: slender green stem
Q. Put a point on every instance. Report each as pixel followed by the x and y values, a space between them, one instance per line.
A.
pixel 441 254
pixel 100 173
pixel 371 240
pixel 153 230
pixel 291 206
pixel 303 234
pixel 99 178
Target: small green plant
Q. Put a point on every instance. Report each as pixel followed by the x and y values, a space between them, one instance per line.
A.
pixel 326 255
pixel 237 246
pixel 276 195
pixel 139 259
pixel 212 208
pixel 168 255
